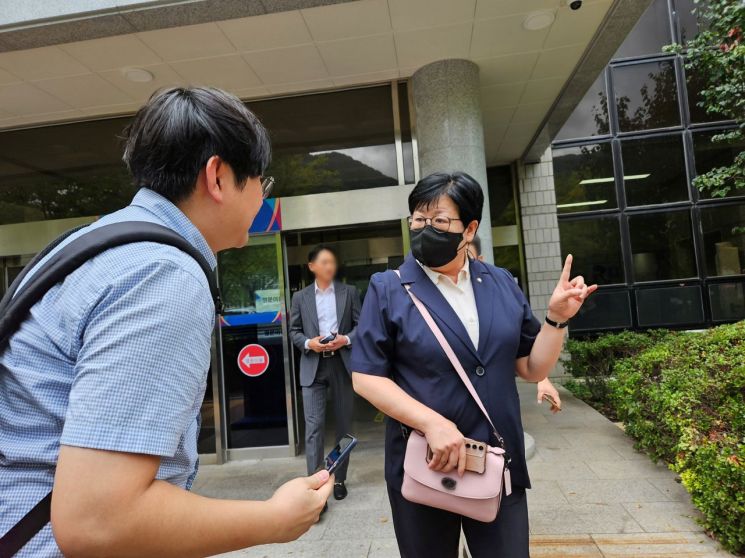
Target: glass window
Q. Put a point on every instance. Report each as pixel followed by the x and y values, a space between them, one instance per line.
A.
pixel 405 116
pixel 650 33
pixel 709 155
pixel 583 178
pixel 679 305
pixel 724 239
pixel 646 95
pixel 604 309
pixel 590 116
pixel 662 246
pixel 596 247
pixel 694 85
pixel 688 21
pixel 654 170
pixel 508 257
pixel 57 172
pixel 501 196
pixel 329 142
pixel 727 301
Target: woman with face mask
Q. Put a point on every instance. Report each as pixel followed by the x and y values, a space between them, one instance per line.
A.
pixel 402 369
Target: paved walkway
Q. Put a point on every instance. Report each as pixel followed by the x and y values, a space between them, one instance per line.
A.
pixel 593 495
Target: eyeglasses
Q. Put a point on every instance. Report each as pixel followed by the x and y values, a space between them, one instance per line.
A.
pixel 441 223
pixel 267 183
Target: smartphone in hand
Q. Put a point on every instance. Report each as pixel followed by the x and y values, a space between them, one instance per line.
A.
pixel 340 453
pixel 328 339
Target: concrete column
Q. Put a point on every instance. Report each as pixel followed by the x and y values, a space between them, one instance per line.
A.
pixel 450 132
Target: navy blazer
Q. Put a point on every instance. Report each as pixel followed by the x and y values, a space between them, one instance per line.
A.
pixel 394 341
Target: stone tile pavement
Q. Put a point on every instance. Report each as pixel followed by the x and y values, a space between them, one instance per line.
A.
pixel 593 495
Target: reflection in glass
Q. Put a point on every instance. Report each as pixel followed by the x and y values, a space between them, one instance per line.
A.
pixel 501 196
pixel 583 178
pixel 727 301
pixel 654 170
pixel 508 257
pixel 662 246
pixel 408 153
pixel 646 95
pixel 724 239
pixel 57 172
pixel 590 116
pixel 341 140
pixel 596 247
pixel 604 309
pixel 650 33
pixel 709 155
pixel 698 114
pixel 669 306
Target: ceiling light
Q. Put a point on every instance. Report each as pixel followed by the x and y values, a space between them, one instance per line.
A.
pixel 579 204
pixel 538 20
pixel 138 75
pixel 611 179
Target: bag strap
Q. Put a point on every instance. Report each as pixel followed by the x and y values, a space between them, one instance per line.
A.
pixel 21 296
pixel 452 357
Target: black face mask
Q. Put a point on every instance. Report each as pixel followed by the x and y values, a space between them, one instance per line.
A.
pixel 435 249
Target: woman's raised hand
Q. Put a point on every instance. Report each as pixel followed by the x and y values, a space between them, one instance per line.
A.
pixel 569 294
pixel 448 446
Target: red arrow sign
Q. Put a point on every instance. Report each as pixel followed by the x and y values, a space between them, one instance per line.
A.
pixel 253 360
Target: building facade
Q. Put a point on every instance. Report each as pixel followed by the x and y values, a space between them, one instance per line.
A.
pixel 361 99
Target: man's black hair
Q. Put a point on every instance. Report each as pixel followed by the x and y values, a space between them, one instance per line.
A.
pixel 463 189
pixel 317 249
pixel 476 243
pixel 175 133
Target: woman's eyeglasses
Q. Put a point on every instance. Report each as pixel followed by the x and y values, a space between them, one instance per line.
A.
pixel 267 183
pixel 440 223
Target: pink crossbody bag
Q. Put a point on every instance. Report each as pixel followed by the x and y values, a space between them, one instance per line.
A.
pixel 474 495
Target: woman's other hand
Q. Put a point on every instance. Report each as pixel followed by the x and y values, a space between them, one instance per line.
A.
pixel 545 387
pixel 569 294
pixel 448 446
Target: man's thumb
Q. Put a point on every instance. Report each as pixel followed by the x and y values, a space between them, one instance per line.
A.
pixel 319 479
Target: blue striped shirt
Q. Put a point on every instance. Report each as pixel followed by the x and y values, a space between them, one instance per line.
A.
pixel 114 358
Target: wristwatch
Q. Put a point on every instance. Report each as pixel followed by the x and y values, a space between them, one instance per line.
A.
pixel 557 325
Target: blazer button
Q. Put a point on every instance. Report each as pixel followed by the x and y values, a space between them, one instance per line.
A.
pixel 480 371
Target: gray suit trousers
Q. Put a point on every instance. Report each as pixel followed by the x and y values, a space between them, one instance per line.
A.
pixel 331 374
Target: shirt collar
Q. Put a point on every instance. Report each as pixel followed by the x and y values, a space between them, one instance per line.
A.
pixel 174 218
pixel 318 289
pixel 463 275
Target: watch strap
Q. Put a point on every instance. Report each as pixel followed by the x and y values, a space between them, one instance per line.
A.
pixel 557 325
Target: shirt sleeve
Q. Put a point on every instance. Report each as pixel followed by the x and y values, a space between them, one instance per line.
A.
pixel 373 344
pixel 142 363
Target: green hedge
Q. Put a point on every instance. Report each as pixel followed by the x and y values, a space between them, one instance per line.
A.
pixel 681 396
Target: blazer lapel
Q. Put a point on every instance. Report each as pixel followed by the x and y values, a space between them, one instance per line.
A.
pixel 423 287
pixel 310 306
pixel 341 302
pixel 482 291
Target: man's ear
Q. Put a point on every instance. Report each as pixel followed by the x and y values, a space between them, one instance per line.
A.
pixel 471 229
pixel 212 173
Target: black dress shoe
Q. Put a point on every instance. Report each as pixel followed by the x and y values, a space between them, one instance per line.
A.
pixel 340 491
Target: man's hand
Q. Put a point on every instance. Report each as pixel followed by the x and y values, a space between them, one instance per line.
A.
pixel 299 503
pixel 314 344
pixel 569 295
pixel 448 446
pixel 545 387
pixel 338 342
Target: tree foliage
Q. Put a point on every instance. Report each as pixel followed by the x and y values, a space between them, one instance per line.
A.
pixel 716 57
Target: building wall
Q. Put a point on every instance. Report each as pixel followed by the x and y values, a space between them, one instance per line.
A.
pixel 540 230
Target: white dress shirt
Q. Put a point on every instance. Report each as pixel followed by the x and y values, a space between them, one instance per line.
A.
pixel 460 297
pixel 328 321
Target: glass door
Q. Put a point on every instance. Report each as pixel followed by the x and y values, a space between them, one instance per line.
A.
pixel 253 349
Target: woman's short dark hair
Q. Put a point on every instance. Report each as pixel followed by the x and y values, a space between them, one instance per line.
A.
pixel 317 249
pixel 175 133
pixel 463 189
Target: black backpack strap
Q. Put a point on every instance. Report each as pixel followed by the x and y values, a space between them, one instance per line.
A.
pixel 17 302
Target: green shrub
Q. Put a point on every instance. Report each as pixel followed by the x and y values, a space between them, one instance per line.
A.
pixel 593 359
pixel 683 400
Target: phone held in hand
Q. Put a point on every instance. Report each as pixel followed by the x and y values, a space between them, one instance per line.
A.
pixel 340 453
pixel 475 456
pixel 552 401
pixel 328 339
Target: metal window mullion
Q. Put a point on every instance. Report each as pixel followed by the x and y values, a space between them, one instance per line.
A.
pixel 397 134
